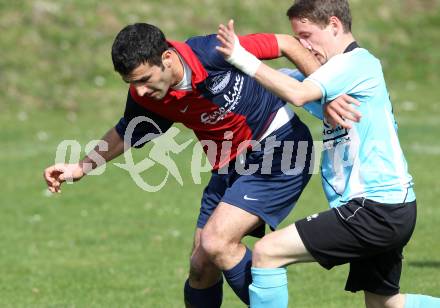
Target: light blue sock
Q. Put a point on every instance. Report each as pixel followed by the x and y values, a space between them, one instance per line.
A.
pixel 268 288
pixel 421 301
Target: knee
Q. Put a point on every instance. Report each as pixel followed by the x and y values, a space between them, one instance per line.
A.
pixel 197 265
pixel 213 244
pixel 261 256
pixel 199 260
pixel 201 268
pixel 379 301
pixel 371 301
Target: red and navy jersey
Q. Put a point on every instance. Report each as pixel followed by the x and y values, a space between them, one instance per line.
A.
pixel 224 104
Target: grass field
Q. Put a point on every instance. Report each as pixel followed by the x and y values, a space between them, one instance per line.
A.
pixel 106 243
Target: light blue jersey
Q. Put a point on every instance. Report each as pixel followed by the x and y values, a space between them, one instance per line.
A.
pixel 367 160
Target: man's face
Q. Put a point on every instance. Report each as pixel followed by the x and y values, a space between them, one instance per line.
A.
pixel 152 81
pixel 318 40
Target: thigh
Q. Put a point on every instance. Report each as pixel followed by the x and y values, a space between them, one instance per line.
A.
pixel 230 223
pixel 280 248
pixel 222 235
pixel 379 301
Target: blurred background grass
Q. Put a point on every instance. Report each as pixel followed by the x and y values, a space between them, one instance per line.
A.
pixel 106 243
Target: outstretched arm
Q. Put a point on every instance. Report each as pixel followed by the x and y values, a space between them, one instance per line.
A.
pixel 110 147
pixel 283 86
pixel 289 89
pixel 147 126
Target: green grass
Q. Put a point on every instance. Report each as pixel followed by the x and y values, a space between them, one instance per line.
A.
pixel 105 243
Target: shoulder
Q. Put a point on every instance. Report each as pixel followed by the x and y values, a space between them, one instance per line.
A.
pixel 356 72
pixel 356 63
pixel 358 57
pixel 204 47
pixel 203 44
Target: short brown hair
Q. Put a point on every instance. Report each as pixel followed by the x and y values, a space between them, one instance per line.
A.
pixel 320 11
pixel 136 44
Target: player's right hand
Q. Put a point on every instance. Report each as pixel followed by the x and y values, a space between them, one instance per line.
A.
pixel 57 174
pixel 228 39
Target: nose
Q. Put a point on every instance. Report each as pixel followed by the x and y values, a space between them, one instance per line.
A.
pixel 142 90
pixel 306 44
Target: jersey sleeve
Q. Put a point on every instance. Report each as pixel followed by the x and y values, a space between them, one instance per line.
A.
pixel 262 45
pixel 315 109
pixel 142 124
pixel 346 74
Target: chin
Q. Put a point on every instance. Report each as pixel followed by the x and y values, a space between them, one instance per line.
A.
pixel 161 96
pixel 158 96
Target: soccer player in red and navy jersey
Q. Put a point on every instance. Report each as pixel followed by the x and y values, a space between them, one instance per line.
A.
pixel 191 83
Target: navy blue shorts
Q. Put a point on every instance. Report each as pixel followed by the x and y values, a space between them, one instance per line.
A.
pixel 273 189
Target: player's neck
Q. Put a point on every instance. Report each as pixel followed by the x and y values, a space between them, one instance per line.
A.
pixel 345 41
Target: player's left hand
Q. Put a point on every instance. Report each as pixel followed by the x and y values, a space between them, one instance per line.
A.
pixel 340 111
pixel 228 39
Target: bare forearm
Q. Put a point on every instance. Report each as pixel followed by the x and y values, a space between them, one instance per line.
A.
pixel 110 147
pixel 285 87
pixel 292 49
pixel 289 89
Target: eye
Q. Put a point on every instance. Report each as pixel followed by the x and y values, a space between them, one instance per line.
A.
pixel 141 81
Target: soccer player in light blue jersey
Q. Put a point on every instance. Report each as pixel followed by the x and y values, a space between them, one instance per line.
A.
pixel 364 172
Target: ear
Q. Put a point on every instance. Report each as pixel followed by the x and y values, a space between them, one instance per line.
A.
pixel 167 59
pixel 336 25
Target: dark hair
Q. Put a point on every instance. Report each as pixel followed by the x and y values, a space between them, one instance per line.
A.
pixel 320 11
pixel 137 44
